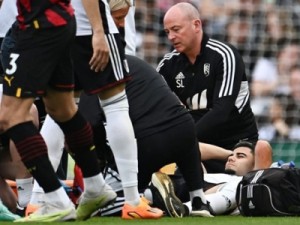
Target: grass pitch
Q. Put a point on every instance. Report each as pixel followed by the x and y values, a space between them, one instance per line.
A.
pixel 218 220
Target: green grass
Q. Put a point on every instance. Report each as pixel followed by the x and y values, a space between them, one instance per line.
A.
pixel 218 220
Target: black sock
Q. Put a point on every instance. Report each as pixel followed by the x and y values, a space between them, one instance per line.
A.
pixel 33 151
pixel 79 139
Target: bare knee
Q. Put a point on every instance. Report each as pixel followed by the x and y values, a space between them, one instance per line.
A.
pixel 112 91
pixel 35 115
pixel 60 106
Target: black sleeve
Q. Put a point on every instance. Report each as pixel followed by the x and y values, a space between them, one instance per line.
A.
pixel 164 69
pixel 225 97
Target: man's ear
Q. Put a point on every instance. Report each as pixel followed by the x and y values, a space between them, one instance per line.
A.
pixel 197 23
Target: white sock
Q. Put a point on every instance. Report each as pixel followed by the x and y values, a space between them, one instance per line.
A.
pixel 121 138
pixel 148 195
pixel 93 185
pixel 37 196
pixel 188 205
pixel 55 141
pixel 24 188
pixel 198 193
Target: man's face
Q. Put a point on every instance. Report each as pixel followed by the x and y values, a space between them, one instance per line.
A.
pixel 240 162
pixel 181 31
pixel 119 16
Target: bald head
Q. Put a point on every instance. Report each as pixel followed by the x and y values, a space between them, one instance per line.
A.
pixel 184 10
pixel 183 27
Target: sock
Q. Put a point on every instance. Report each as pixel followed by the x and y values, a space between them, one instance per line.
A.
pixel 121 138
pixel 33 152
pixel 148 195
pixel 55 141
pixel 198 193
pixel 24 188
pixel 188 205
pixel 37 196
pixel 131 197
pixel 79 139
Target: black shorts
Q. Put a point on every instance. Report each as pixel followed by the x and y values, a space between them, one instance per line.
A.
pixel 40 59
pixel 7 46
pixel 94 82
pixel 175 145
pixel 4 142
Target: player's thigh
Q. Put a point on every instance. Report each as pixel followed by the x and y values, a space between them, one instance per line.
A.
pixel 14 111
pixel 160 149
pixel 108 82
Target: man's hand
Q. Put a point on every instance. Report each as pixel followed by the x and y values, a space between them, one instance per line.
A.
pixel 100 56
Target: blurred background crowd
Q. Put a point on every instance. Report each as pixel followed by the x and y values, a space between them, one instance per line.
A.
pixel 267 34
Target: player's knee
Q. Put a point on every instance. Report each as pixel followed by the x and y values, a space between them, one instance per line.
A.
pixel 111 92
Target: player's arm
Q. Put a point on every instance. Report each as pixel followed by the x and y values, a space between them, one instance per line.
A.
pixel 209 151
pixel 100 55
pixel 263 155
pixel 226 91
pixel 164 68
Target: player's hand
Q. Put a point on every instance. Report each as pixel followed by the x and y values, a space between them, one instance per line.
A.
pixel 100 56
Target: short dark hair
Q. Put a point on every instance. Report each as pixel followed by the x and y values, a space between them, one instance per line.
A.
pixel 248 144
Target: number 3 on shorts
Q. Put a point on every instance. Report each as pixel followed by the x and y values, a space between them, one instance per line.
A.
pixel 12 64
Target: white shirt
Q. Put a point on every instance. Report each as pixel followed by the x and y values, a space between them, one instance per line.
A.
pixel 8 13
pixel 218 178
pixel 223 200
pixel 83 25
pixel 130 31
